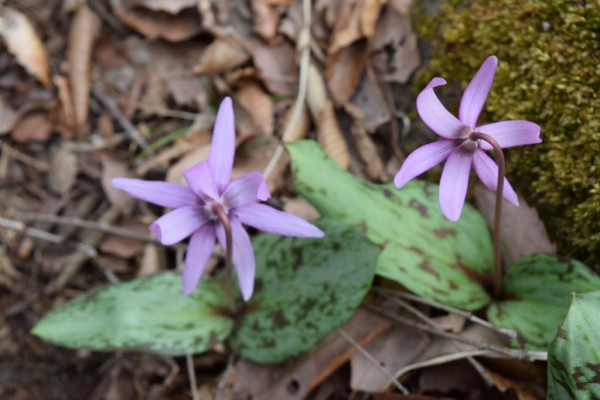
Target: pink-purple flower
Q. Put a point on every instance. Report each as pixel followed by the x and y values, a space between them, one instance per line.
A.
pixel 210 188
pixel 458 148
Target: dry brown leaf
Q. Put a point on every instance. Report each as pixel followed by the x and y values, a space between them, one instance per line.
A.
pixel 295 379
pixel 402 6
pixel 266 19
pixel 154 99
pixel 503 384
pixel 153 260
pixel 125 247
pixel 254 155
pixel 450 323
pixel 258 104
pixel 222 55
pixel 344 69
pixel 357 20
pixel 522 232
pixel 113 168
pixel 277 65
pixel 300 129
pixel 393 350
pixel 366 147
pixel 24 43
pixel 63 170
pixel 370 15
pixel 300 208
pixel 368 99
pixel 32 126
pixel 198 154
pixel 394 50
pixel 329 133
pixel 84 30
pixel 66 102
pixel 153 25
pixel 8 116
pixel 168 6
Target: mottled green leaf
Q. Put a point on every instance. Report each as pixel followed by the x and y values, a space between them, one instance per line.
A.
pixel 574 355
pixel 450 262
pixel 305 288
pixel 537 291
pixel 146 314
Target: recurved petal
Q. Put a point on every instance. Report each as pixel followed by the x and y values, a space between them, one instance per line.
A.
pixel 424 158
pixel 487 171
pixel 435 115
pixel 511 133
pixel 198 253
pixel 268 219
pixel 200 180
pixel 161 193
pixel 178 224
pixel 244 190
pixel 476 93
pixel 243 256
pixel 222 147
pixel 454 182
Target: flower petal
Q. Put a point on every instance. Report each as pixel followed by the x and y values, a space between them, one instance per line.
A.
pixel 200 180
pixel 477 92
pixel 487 171
pixel 268 219
pixel 424 158
pixel 198 253
pixel 244 190
pixel 435 115
pixel 454 182
pixel 178 224
pixel 222 148
pixel 511 133
pixel 156 192
pixel 243 256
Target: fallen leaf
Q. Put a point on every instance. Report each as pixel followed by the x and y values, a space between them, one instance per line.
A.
pixel 369 16
pixel 254 155
pixel 113 168
pixel 344 69
pixel 394 49
pixel 265 19
pixel 368 99
pixel 300 128
pixel 32 126
pixel 456 378
pixel 366 147
pixel 450 323
pixel 63 170
pixel 124 247
pixel 67 107
pixel 84 30
pixel 258 104
pixel 8 116
pixel 277 65
pixel 153 260
pixel 153 25
pixel 522 232
pixel 198 154
pixel 347 27
pixel 169 6
pixel 392 350
pixel 23 42
pixel 504 384
pixel 222 55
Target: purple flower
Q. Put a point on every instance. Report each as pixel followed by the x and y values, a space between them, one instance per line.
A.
pixel 194 208
pixel 457 148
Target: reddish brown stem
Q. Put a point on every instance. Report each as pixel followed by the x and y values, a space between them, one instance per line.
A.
pixel 218 210
pixel 498 207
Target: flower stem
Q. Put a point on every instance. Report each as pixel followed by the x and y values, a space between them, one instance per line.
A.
pixel 498 207
pixel 218 210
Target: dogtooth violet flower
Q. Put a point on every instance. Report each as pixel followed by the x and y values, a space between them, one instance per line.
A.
pixel 196 208
pixel 458 145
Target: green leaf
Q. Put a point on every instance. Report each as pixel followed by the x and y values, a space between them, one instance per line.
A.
pixel 574 355
pixel 146 314
pixel 538 291
pixel 305 288
pixel 450 262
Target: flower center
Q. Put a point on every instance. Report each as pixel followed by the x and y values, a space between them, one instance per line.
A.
pixel 214 210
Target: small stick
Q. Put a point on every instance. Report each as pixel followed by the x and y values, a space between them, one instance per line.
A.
pixel 224 378
pixel 465 314
pixel 192 375
pixel 372 359
pixel 24 158
pixel 86 224
pixel 446 358
pixel 113 109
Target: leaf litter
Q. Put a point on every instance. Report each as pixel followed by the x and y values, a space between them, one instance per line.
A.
pixel 163 65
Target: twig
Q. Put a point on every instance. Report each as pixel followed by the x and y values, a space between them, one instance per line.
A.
pixel 86 224
pixel 224 378
pixel 113 109
pixel 31 161
pixel 19 226
pixel 304 40
pixel 369 357
pixel 465 314
pixel 446 358
pixel 520 354
pixel 192 376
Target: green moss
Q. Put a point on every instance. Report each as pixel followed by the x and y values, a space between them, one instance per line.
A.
pixel 549 73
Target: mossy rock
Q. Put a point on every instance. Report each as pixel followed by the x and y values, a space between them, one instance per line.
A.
pixel 549 73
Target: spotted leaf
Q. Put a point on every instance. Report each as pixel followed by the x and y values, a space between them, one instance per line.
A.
pixel 304 290
pixel 146 314
pixel 450 262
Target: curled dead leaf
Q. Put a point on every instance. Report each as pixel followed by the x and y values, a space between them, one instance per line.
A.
pixel 67 107
pixel 63 170
pixel 113 168
pixel 32 126
pixel 8 116
pixel 344 69
pixel 85 28
pixel 277 65
pixel 367 150
pixel 24 43
pixel 222 55
pixel 300 129
pixel 266 19
pixel 258 104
